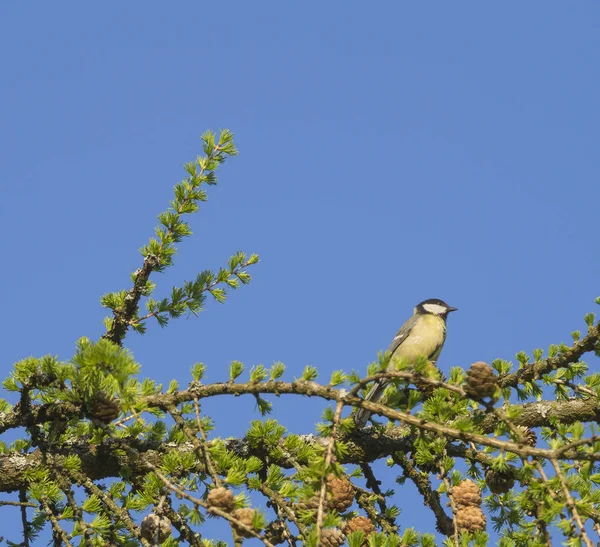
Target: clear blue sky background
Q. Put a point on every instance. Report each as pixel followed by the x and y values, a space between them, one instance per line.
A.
pixel 388 153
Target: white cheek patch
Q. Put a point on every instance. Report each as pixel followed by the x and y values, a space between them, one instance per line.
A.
pixel 435 308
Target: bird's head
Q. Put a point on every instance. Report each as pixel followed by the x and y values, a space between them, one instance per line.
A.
pixel 434 306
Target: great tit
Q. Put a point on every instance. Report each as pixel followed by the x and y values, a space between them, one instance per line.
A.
pixel 422 335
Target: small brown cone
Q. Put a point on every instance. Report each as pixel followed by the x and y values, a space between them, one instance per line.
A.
pixel 498 482
pixel 529 436
pixel 245 516
pixel 470 519
pixel 103 407
pixel 359 524
pixel 481 381
pixel 332 537
pixel 341 494
pixel 221 498
pixel 155 529
pixel 466 494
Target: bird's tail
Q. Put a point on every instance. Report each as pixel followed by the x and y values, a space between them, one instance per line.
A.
pixel 362 414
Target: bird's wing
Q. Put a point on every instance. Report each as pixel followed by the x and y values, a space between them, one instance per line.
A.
pixel 362 415
pixel 402 334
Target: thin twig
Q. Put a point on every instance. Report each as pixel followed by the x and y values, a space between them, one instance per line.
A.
pixel 18 503
pixel 281 507
pixel 362 498
pixel 453 506
pixel 122 513
pixel 177 520
pixel 405 375
pixel 373 484
pixel 431 497
pixel 122 318
pixel 535 370
pixel 198 502
pixel 77 512
pixel 289 513
pixel 23 502
pixel 179 491
pixel 58 531
pixel 328 457
pixel 202 446
pixel 571 503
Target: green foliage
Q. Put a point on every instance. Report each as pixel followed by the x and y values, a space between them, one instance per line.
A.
pixel 337 377
pixel 277 370
pixel 191 297
pixel 258 373
pixel 160 251
pixel 267 433
pixel 309 374
pixel 100 449
pixel 102 366
pixel 589 319
pixel 198 371
pixel 235 370
pixel 188 194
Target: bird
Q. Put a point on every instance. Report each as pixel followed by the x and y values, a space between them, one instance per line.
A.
pixel 423 335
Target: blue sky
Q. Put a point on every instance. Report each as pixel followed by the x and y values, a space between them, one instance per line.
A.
pixel 387 155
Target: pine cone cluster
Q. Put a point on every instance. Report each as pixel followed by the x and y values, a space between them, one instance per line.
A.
pixel 332 537
pixel 245 516
pixel 359 524
pixel 467 498
pixel 155 529
pixel 103 407
pixel 481 381
pixel 499 482
pixel 221 498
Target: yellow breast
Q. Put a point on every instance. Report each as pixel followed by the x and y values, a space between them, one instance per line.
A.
pixel 425 339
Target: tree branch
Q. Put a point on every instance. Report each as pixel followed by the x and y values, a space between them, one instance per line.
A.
pixel 533 371
pixel 430 496
pixel 122 317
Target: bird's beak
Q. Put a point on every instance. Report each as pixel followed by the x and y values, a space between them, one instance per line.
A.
pixel 451 309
